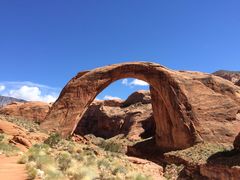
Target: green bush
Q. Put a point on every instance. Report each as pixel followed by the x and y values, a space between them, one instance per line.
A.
pixel 53 139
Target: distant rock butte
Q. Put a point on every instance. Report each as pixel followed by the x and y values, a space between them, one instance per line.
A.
pixel 4 100
pixel 188 107
pixel 233 76
pixel 133 117
pixel 35 111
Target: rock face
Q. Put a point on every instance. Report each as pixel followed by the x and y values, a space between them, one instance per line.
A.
pixel 188 107
pixel 233 76
pixel 35 111
pixel 4 100
pixel 236 143
pixel 133 117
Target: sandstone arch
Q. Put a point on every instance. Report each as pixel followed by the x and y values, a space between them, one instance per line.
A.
pixel 178 114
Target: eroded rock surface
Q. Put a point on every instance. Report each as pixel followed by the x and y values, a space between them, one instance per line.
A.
pixel 35 111
pixel 188 107
pixel 133 117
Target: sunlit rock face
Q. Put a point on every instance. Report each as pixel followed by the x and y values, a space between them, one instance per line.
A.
pixel 188 107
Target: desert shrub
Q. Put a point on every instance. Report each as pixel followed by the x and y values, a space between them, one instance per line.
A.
pixel 119 169
pixel 32 172
pixel 85 173
pixel 138 177
pixel 90 160
pixel 103 164
pixel 78 156
pixel 8 149
pixel 23 159
pixel 64 161
pixel 52 173
pixel 1 137
pixel 109 145
pixel 53 139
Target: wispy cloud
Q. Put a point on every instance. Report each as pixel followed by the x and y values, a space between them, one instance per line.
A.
pixel 29 91
pixel 108 97
pixel 134 82
pixel 2 87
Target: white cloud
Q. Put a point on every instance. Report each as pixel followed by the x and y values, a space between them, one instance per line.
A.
pixel 30 91
pixel 125 82
pixel 2 87
pixel 107 97
pixel 135 82
pixel 31 94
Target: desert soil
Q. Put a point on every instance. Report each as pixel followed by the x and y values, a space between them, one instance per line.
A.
pixel 10 169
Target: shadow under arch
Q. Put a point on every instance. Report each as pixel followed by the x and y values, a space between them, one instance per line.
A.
pixel 174 128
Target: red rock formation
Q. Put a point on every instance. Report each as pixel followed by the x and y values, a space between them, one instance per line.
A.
pixel 188 107
pixel 133 117
pixel 35 111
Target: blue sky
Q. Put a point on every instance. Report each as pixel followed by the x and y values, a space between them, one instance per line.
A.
pixel 48 42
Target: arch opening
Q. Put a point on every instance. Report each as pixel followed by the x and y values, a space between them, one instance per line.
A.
pixel 123 108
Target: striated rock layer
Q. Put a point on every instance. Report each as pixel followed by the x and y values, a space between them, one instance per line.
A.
pixel 188 107
pixel 133 117
pixel 35 111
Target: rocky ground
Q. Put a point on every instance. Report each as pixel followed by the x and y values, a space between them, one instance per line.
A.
pixel 88 157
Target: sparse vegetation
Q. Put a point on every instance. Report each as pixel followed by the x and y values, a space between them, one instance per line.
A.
pixel 198 153
pixel 57 158
pixel 53 139
pixel 7 148
pixel 31 126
